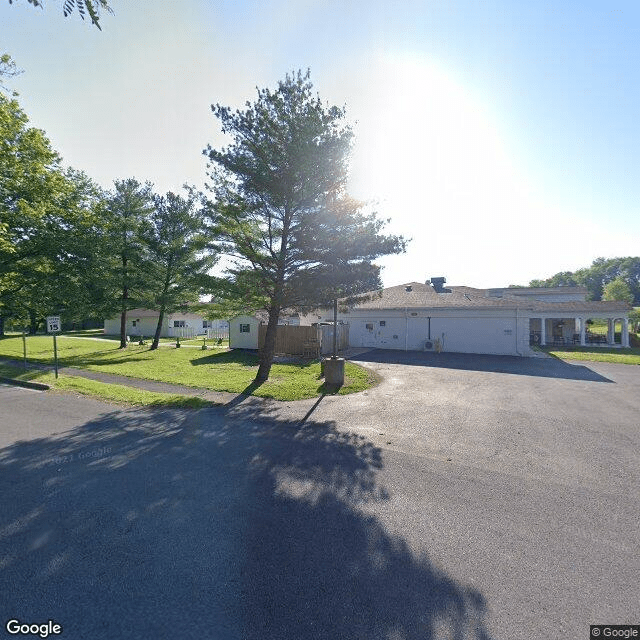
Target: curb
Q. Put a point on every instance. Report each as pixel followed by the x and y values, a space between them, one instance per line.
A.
pixel 38 386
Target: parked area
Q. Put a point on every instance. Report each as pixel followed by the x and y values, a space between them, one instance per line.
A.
pixel 467 497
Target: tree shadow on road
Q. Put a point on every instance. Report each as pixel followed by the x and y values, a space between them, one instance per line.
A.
pixel 221 523
pixel 538 367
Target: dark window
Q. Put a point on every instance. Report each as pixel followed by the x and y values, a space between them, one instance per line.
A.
pixel 178 323
pixel 245 328
pixel 383 323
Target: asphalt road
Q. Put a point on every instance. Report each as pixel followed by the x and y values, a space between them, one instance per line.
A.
pixel 464 497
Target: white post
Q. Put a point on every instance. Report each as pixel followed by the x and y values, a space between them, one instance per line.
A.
pixel 625 332
pixel 583 332
pixel 610 330
pixel 543 332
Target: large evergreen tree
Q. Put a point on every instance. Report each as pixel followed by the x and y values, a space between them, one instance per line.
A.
pixel 294 235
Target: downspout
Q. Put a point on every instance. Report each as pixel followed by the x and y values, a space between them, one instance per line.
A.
pixel 406 332
pixel 517 334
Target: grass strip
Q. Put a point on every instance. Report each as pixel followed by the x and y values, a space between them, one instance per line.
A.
pixel 104 391
pixel 216 370
pixel 597 354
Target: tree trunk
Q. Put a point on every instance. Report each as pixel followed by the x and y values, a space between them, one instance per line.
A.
pixel 33 323
pixel 125 298
pixel 1 326
pixel 123 328
pixel 156 337
pixel 268 349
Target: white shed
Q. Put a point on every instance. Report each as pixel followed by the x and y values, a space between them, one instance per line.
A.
pixel 243 332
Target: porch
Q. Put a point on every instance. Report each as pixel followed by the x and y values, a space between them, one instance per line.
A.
pixel 574 331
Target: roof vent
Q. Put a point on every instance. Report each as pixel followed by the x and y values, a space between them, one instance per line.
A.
pixel 437 284
pixel 408 288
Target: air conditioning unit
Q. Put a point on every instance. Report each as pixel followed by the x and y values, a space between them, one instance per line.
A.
pixel 435 344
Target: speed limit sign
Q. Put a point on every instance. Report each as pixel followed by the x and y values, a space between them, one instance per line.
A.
pixel 53 324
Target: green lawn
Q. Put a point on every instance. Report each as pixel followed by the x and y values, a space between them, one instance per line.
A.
pixel 216 370
pixel 596 354
pixel 103 391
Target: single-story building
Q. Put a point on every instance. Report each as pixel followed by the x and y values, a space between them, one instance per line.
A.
pixel 508 321
pixel 183 324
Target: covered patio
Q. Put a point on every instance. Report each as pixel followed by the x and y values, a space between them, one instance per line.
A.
pixel 559 330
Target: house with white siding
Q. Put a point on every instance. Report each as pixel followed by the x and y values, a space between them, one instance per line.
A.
pixel 183 324
pixel 419 316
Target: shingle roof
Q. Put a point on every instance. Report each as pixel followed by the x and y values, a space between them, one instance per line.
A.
pixel 420 295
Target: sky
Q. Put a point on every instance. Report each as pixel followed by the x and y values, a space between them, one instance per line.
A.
pixel 501 136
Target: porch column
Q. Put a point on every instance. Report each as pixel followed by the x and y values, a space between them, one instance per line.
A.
pixel 583 332
pixel 625 332
pixel 543 331
pixel 610 330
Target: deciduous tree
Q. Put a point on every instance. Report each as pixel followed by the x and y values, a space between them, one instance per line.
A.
pixel 177 243
pixel 47 217
pixel 617 289
pixel 85 8
pixel 128 207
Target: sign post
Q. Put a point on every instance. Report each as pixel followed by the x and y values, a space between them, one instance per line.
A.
pixel 24 348
pixel 53 326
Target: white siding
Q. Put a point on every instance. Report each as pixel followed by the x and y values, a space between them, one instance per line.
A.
pixel 494 332
pixel 112 327
pixel 144 327
pixel 239 340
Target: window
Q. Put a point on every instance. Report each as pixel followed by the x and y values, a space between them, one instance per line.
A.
pixel 383 323
pixel 207 324
pixel 245 328
pixel 134 323
pixel 178 323
pixel 369 326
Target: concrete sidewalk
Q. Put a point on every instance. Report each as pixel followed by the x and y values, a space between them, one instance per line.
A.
pixel 219 397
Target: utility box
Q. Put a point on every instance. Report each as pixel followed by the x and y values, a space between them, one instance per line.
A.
pixel 334 371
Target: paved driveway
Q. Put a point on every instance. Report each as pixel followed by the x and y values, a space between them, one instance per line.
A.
pixel 465 497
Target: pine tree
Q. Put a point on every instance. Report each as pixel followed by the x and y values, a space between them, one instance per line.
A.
pixel 285 218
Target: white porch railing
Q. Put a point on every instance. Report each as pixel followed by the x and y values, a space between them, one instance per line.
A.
pixel 217 334
pixel 193 332
pixel 182 332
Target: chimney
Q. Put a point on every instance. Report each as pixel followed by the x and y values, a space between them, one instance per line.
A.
pixel 438 285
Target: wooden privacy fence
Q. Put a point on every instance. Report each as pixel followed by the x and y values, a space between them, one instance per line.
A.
pixel 293 340
pixel 306 341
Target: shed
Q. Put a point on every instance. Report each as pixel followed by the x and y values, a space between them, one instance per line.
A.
pixel 243 332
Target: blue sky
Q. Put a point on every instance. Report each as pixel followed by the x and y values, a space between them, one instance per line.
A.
pixel 501 136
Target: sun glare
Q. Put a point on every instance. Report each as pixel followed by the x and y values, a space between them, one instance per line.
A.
pixel 429 153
